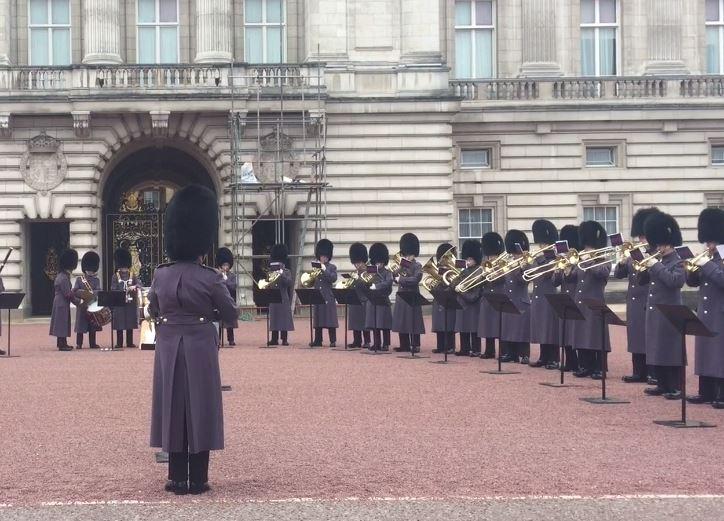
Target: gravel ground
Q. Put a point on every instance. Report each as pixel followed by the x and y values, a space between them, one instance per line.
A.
pixel 322 424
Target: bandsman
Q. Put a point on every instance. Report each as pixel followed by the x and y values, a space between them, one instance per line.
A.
pixel 64 297
pixel 488 319
pixel 280 313
pixel 125 318
pixel 516 328
pixel 325 315
pixel 356 313
pixel 224 262
pixel 544 321
pixel 378 319
pixel 466 323
pixel 89 281
pixel 443 320
pixel 407 320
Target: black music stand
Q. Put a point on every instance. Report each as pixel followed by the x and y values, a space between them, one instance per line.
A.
pixel 502 304
pixel 565 308
pixel 413 299
pixel 310 297
pixel 263 299
pixel 607 317
pixel 10 301
pixel 448 299
pixel 377 299
pixel 112 299
pixel 348 297
pixel 687 323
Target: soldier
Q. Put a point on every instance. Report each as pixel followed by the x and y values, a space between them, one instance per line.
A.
pixel 187 414
pixel 125 318
pixel 225 261
pixel 569 233
pixel 407 320
pixel 378 319
pixel 356 313
pixel 707 273
pixel 466 322
pixel 280 313
pixel 64 296
pixel 2 290
pixel 663 341
pixel 636 301
pixel 543 320
pixel 88 281
pixel 516 328
pixel 488 320
pixel 443 320
pixel 325 315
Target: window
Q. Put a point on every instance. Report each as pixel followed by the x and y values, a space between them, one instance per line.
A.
pixel 475 158
pixel 717 155
pixel 264 31
pixel 49 29
pixel 606 215
pixel 474 42
pixel 597 156
pixel 714 36
pixel 157 35
pixel 599 31
pixel 474 222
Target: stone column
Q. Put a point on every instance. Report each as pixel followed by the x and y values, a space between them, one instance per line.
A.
pixel 213 31
pixel 5 16
pixel 420 21
pixel 664 37
pixel 539 39
pixel 101 31
pixel 325 30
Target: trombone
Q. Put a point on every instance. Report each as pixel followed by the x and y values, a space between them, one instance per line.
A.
pixel 691 265
pixel 570 258
pixel 479 275
pixel 508 267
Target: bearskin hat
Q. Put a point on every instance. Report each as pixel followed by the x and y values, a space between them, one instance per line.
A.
pixel 379 253
pixel 569 233
pixel 224 256
pixel 639 220
pixel 473 249
pixel 443 249
pixel 410 245
pixel 544 232
pixel 122 258
pixel 493 244
pixel 662 228
pixel 711 225
pixel 68 260
pixel 91 261
pixel 191 223
pixel 324 247
pixel 513 237
pixel 279 253
pixel 357 253
pixel 592 235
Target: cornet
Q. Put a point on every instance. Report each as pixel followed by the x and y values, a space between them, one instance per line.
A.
pixel 691 264
pixel 642 265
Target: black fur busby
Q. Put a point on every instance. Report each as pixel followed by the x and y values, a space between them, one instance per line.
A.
pixel 191 223
pixel 570 233
pixel 357 253
pixel 473 249
pixel 279 253
pixel 662 229
pixel 711 225
pixel 592 235
pixel 324 247
pixel 68 260
pixel 91 261
pixel 379 253
pixel 122 258
pixel 443 249
pixel 544 232
pixel 410 245
pixel 639 220
pixel 513 237
pixel 493 244
pixel 224 256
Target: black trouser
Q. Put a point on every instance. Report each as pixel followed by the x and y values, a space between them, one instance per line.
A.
pixel 638 361
pixel 719 390
pixel 589 360
pixel 469 342
pixel 708 388
pixel 549 353
pixel 668 377
pixel 358 336
pixel 183 466
pixel 571 359
pixel 275 336
pixel 129 338
pixel 383 339
pixel 230 335
pixel 445 340
pixel 91 339
pixel 318 334
pixel 516 350
pixel 490 347
pixel 409 339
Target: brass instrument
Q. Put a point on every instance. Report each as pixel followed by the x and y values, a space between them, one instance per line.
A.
pixel 508 267
pixel 690 264
pixel 627 247
pixel 472 280
pixel 570 258
pixel 86 294
pixel 131 294
pixel 641 266
pixel 431 278
pixel 354 277
pixel 270 281
pixel 531 256
pixel 308 278
pixel 451 273
pixel 396 264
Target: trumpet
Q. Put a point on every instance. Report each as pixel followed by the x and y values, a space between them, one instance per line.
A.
pixel 270 281
pixel 691 264
pixel 627 247
pixel 309 278
pixel 642 266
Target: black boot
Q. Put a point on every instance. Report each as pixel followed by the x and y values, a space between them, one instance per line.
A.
pixel 119 339
pixel 129 338
pixel 92 343
pixel 356 339
pixel 274 340
pixel 62 344
pixel 439 342
pixel 366 339
pixel 332 331
pixel 79 340
pixel 489 349
pixel 285 337
pixel 317 342
pixel 404 343
pixel 230 336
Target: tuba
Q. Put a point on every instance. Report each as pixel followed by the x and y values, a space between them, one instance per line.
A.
pixel 431 278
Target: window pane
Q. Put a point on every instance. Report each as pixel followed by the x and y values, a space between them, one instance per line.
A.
pixel 273 45
pixel 463 54
pixel 476 230
pixel 167 11
pixel 475 158
pixel 146 11
pixel 61 12
pixel 253 44
pixel 274 11
pixel 717 155
pixel 462 13
pixel 588 52
pixel 599 156
pixel 464 230
pixel 712 50
pixel 169 45
pixel 484 54
pixel 39 47
pixel 146 45
pixel 588 12
pixel 38 12
pixel 484 13
pixel 61 46
pixel 253 11
pixel 607 47
pixel 588 214
pixel 712 10
pixel 607 11
pixel 611 213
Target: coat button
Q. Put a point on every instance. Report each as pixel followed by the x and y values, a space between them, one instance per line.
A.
pixel 706 298
pixel 651 307
pixel 706 284
pixel 165 320
pixel 633 298
pixel 705 312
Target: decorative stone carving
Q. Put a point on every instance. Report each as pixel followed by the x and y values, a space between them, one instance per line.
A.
pixel 43 165
pixel 5 130
pixel 277 158
pixel 316 121
pixel 159 122
pixel 81 123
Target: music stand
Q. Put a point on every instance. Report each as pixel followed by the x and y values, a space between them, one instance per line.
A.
pixel 448 299
pixel 607 317
pixel 377 298
pixel 348 297
pixel 112 299
pixel 310 297
pixel 502 304
pixel 565 308
pixel 263 299
pixel 413 299
pixel 687 323
pixel 10 301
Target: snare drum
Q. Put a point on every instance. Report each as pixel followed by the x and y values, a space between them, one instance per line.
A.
pixel 98 316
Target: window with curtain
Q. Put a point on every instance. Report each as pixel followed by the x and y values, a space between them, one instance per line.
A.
pixel 474 38
pixel 473 223
pixel 49 28
pixel 475 158
pixel 599 37
pixel 264 31
pixel 714 36
pixel 601 156
pixel 157 36
pixel 607 216
pixel 717 155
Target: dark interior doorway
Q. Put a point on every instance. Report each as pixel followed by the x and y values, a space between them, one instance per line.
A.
pixel 47 242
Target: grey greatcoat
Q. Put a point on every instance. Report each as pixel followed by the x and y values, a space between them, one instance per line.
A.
pixel 383 286
pixel 356 314
pixel 230 283
pixel 466 319
pixel 663 342
pixel 516 328
pixel 709 360
pixel 81 317
pixel 568 287
pixel 125 317
pixel 2 290
pixel 544 323
pixel 488 318
pixel 407 319
pixel 441 323
pixel 590 284
pixel 186 378
pixel 325 315
pixel 635 305
pixel 60 316
pixel 280 313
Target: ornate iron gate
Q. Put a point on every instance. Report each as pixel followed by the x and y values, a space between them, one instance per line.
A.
pixel 141 234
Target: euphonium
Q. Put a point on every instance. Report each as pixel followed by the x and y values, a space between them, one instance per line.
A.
pixel 395 263
pixel 691 265
pixel 451 273
pixel 270 281
pixel 431 279
pixel 308 278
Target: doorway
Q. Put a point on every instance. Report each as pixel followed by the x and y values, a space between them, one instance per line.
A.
pixel 47 242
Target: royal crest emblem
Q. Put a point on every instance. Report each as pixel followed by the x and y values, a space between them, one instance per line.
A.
pixel 43 164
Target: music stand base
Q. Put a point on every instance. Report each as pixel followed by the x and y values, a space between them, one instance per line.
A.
pixel 161 457
pixel 226 388
pixel 268 347
pixel 603 401
pixel 558 385
pixel 688 424
pixel 413 357
pixel 116 349
pixel 9 356
pixel 350 349
pixel 500 372
pixel 367 352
